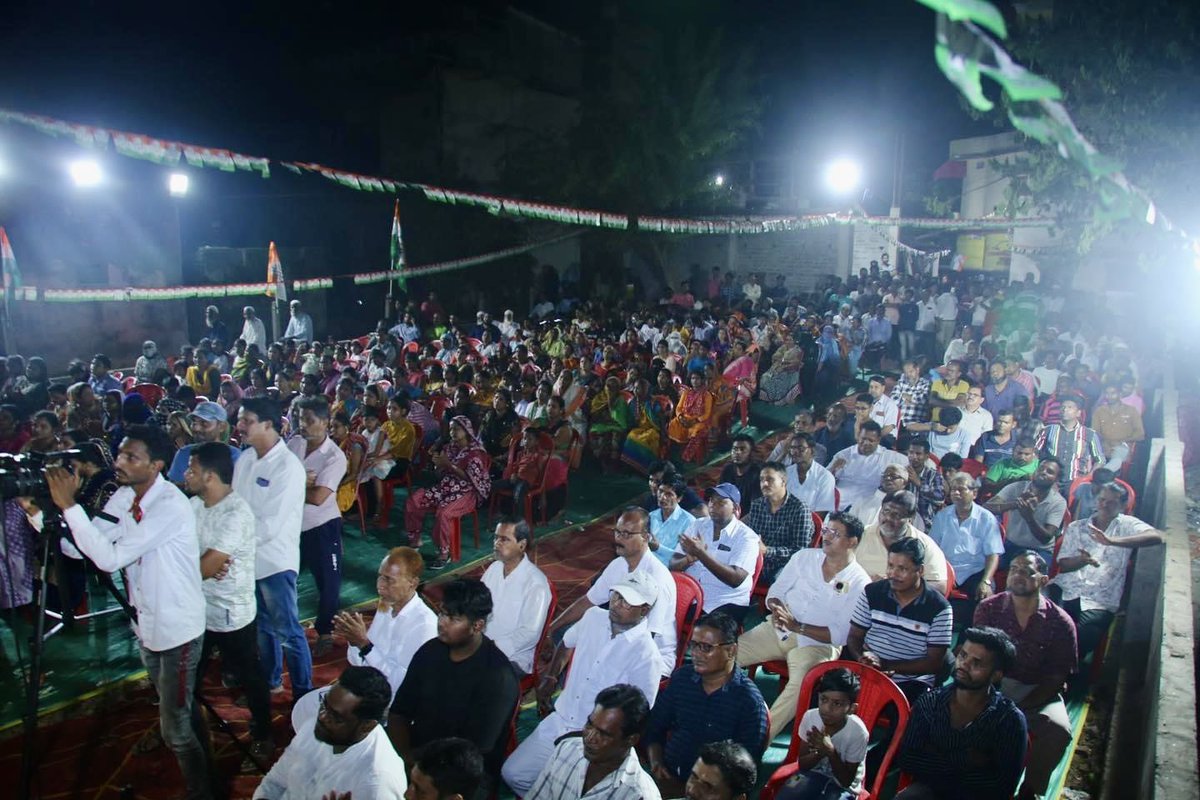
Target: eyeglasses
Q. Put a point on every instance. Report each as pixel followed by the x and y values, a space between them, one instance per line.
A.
pixel 705 647
pixel 331 715
pixel 623 534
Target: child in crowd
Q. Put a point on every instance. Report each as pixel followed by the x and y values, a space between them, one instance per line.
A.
pixel 834 750
pixel 379 463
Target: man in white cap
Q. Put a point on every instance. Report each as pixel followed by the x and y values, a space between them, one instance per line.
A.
pixel 209 424
pixel 720 552
pixel 300 326
pixel 253 330
pixel 606 647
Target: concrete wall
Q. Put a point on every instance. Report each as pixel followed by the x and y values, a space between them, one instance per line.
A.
pixel 803 257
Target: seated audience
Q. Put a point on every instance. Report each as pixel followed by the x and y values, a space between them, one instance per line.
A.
pixel 895 523
pixel 901 625
pixel 967 739
pixel 458 684
pixel 721 553
pixel 783 523
pixel 708 700
pixel 605 648
pixel 742 470
pixel 858 469
pixel 1018 467
pixel 1046 656
pixel 1035 512
pixel 723 771
pixel 520 595
pixel 601 760
pixel 804 422
pixel 970 537
pixel 997 444
pixel 925 481
pixel 833 752
pixel 811 603
pixel 894 479
pixel 807 480
pixel 1092 563
pixel 1076 446
pixel 1119 426
pixel 669 521
pixel 659 472
pixel 446 769
pixel 345 751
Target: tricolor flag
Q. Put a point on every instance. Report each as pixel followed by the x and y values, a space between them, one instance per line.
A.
pixel 398 249
pixel 12 274
pixel 276 285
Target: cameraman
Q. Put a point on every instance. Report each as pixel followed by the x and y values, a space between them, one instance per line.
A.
pixel 154 540
pixel 93 465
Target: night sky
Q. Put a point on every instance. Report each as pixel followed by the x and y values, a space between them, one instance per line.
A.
pixel 836 77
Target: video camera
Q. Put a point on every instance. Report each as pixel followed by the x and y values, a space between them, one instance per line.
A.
pixel 24 475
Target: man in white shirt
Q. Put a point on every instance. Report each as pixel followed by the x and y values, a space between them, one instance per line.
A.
pixel 520 595
pixel 632 540
pixel 721 552
pixel 945 309
pixel 345 752
pixel 603 761
pixel 884 409
pixel 807 480
pixel 225 528
pixel 811 603
pixel 253 330
pixel 271 479
pixel 321 526
pixel 300 326
pixel 154 540
pixel 752 290
pixel 606 648
pixel 947 435
pixel 858 469
pixel 976 420
pixel 956 350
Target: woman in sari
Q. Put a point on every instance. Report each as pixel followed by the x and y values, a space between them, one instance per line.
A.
pixel 693 418
pixel 780 384
pixel 742 373
pixel 463 483
pixel 649 414
pixel 230 399
pixel 724 392
pixel 610 420
pixel 574 395
pixel 354 445
pixel 664 384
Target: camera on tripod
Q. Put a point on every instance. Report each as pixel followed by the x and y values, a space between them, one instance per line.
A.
pixel 24 475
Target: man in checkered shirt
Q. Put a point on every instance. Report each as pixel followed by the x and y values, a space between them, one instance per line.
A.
pixel 911 392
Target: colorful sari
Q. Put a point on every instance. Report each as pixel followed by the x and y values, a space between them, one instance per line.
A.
pixel 609 417
pixel 693 418
pixel 643 445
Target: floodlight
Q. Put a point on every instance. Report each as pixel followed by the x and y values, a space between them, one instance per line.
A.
pixel 178 183
pixel 843 175
pixel 719 180
pixel 85 172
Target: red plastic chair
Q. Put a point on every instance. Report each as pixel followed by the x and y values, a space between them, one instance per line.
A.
pixel 406 480
pixel 974 468
pixel 531 680
pixel 837 499
pixel 689 604
pixel 1082 479
pixel 544 443
pixel 128 382
pixel 150 392
pixel 877 692
pixel 950 583
pixel 456 533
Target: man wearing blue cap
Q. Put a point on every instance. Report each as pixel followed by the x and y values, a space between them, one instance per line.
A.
pixel 720 552
pixel 209 424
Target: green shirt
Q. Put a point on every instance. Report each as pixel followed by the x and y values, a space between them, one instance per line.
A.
pixel 1006 470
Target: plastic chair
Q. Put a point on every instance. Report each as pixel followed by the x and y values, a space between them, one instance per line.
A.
pixel 689 603
pixel 391 484
pixel 150 392
pixel 128 382
pixel 544 443
pixel 950 583
pixel 973 468
pixel 837 499
pixel 1082 479
pixel 531 680
pixel 876 693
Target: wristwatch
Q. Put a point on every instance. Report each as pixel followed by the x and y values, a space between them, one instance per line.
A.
pixel 368 647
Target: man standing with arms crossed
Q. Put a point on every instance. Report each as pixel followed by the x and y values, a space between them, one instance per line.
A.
pixel 153 538
pixel 272 482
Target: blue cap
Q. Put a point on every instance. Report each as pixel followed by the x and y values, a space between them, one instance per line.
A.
pixel 727 490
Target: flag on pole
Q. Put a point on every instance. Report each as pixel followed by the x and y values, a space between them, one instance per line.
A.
pixel 276 285
pixel 12 274
pixel 398 249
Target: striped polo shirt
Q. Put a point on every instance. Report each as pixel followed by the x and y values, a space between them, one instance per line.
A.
pixel 896 633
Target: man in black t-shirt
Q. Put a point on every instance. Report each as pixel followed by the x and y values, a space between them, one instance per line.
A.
pixel 459 684
pixel 742 471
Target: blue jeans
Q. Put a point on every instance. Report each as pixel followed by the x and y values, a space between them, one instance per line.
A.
pixel 173 673
pixel 279 630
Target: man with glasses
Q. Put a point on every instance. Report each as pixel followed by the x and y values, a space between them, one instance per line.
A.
pixel 709 700
pixel 970 537
pixel 976 420
pixel 345 752
pixel 605 648
pixel 811 603
pixel 895 522
pixel 721 552
pixel 1044 636
pixel 802 423
pixel 632 539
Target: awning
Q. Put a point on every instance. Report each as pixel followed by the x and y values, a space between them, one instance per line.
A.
pixel 951 170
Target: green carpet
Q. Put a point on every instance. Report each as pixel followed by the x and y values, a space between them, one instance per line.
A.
pixel 102 653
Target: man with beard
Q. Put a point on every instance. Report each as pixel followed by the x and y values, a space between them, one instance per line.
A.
pixel 807 480
pixel 967 739
pixel 154 540
pixel 836 435
pixel 601 760
pixel 1044 636
pixel 346 752
pixel 742 471
pixel 901 625
pixel 708 700
pixel 1035 513
pixel 894 523
pixel 802 423
pixel 632 540
pixel 721 552
pixel 605 648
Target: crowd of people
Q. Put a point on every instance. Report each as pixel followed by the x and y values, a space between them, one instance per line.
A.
pixel 930 490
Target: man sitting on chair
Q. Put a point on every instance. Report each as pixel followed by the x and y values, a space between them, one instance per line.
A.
pixel 721 552
pixel 520 595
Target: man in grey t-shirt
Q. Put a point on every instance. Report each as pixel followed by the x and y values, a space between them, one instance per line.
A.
pixel 1035 512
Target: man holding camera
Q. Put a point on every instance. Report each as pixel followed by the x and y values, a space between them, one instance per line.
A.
pixel 148 529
